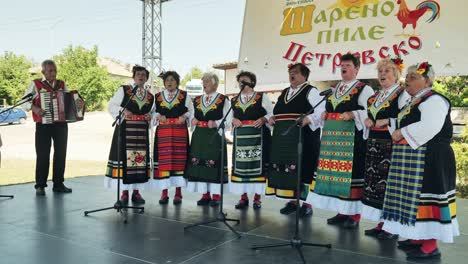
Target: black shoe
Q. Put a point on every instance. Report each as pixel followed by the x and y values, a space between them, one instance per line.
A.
pixel 40 191
pixel 305 211
pixel 164 200
pixel 418 254
pixel 177 200
pixel 373 232
pixel 257 204
pixel 350 223
pixel 337 219
pixel 137 199
pixel 406 245
pixel 124 201
pixel 61 189
pixel 214 203
pixel 204 201
pixel 242 204
pixel 288 209
pixel 386 236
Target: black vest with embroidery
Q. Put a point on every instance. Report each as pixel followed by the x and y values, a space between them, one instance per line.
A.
pixel 298 104
pixel 390 109
pixel 214 113
pixel 173 109
pixel 350 101
pixel 414 116
pixel 133 106
pixel 253 111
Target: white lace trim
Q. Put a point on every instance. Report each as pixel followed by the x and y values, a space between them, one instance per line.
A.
pixel 249 188
pixel 173 181
pixel 424 230
pixel 110 183
pixel 334 204
pixel 204 187
pixel 371 213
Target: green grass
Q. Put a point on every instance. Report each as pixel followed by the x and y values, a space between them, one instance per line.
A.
pixel 23 171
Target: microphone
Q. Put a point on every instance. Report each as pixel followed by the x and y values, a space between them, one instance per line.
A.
pixel 244 84
pixel 326 92
pixel 134 89
pixel 28 96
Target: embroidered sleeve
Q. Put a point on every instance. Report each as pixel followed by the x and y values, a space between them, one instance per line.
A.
pixel 114 103
pixel 315 118
pixel 361 115
pixel 433 113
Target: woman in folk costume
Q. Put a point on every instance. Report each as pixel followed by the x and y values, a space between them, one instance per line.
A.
pixel 340 174
pixel 294 101
pixel 134 155
pixel 204 168
pixel 420 198
pixel 251 141
pixel 382 106
pixel 173 108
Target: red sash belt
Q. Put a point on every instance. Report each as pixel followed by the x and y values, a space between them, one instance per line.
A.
pixel 382 129
pixel 334 116
pixel 248 122
pixel 202 124
pixel 136 118
pixel 170 121
pixel 292 117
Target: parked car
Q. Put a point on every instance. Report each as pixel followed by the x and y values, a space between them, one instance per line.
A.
pixel 15 115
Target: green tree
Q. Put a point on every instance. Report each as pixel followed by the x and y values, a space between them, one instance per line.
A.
pixel 14 76
pixel 194 73
pixel 455 88
pixel 78 67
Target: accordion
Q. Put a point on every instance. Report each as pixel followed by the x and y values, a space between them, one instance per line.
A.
pixel 62 106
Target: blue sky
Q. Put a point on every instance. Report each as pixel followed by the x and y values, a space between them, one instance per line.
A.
pixel 195 32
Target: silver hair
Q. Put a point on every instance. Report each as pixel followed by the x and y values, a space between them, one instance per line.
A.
pixel 211 76
pixel 47 62
pixel 430 73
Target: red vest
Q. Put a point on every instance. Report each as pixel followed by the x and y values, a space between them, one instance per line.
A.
pixel 42 85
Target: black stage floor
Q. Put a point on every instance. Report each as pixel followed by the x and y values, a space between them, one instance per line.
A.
pixel 53 229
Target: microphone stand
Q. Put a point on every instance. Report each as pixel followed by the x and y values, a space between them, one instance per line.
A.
pixel 119 205
pixel 24 100
pixel 296 241
pixel 221 215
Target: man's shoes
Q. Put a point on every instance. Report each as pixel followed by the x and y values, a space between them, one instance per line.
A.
pixel 242 204
pixel 419 254
pixel 40 191
pixel 288 209
pixel 337 219
pixel 350 223
pixel 406 245
pixel 177 200
pixel 305 211
pixel 373 232
pixel 164 200
pixel 386 236
pixel 204 201
pixel 137 199
pixel 61 189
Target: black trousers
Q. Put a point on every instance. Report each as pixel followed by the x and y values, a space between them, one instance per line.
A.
pixel 57 132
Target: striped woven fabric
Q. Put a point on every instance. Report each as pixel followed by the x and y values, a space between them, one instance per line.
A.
pixel 335 167
pixel 171 153
pixel 404 184
pixel 247 165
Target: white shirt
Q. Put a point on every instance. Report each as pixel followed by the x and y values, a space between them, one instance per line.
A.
pixel 266 103
pixel 33 90
pixel 167 94
pixel 433 113
pixel 360 115
pixel 313 97
pixel 115 102
pixel 227 105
